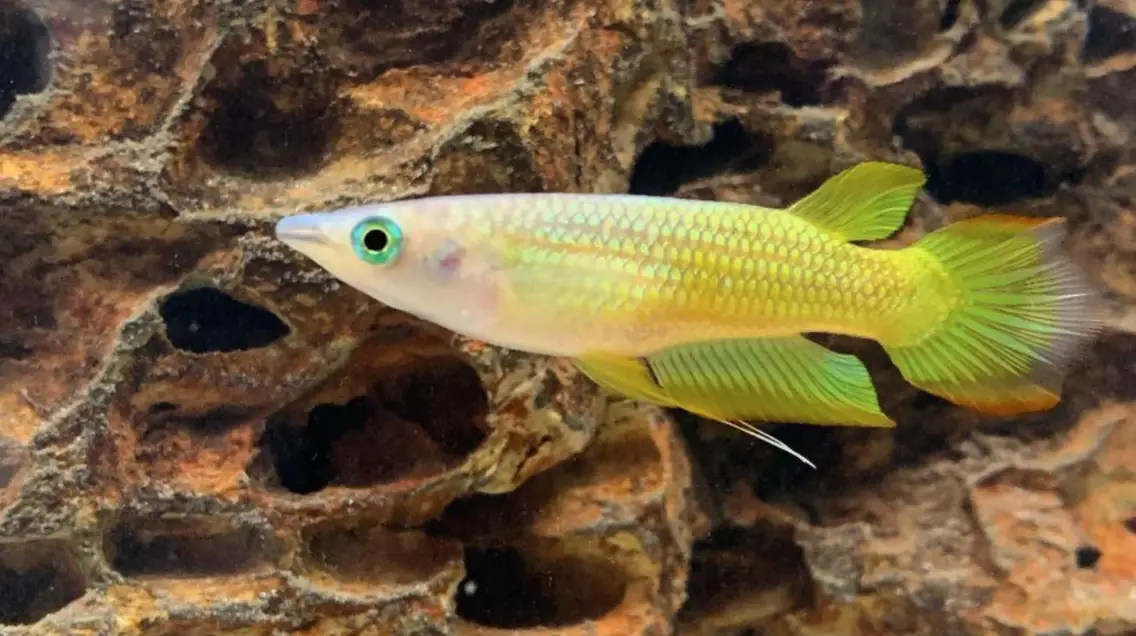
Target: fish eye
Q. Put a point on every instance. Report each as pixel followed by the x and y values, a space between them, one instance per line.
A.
pixel 377 240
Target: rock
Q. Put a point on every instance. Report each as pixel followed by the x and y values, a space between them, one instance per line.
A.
pixel 201 432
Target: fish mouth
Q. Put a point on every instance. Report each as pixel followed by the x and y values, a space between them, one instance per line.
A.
pixel 301 229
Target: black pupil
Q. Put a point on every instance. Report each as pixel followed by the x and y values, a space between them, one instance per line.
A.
pixel 376 240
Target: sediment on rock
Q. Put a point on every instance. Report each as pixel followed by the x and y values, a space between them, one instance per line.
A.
pixel 202 432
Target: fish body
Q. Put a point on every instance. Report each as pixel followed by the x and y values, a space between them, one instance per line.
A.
pixel 565 274
pixel 703 304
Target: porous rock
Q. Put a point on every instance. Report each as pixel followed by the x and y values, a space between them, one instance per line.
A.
pixel 202 433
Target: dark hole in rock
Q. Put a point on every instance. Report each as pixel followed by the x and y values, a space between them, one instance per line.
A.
pixel 175 547
pixel 1087 556
pixel 1017 11
pixel 466 518
pixel 389 9
pixel 505 590
pixel 446 401
pixel 781 472
pixel 989 178
pixel 303 457
pixel 162 407
pixel 372 554
pixel 759 67
pixel 1130 524
pixel 269 127
pixel 732 564
pixel 663 168
pixel 207 320
pixel 11 348
pixel 37 578
pixel 500 591
pixel 25 48
pixel 927 123
pixel 1110 33
pixel 950 15
pixel 414 424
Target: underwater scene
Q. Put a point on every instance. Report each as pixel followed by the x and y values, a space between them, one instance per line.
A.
pixel 568 317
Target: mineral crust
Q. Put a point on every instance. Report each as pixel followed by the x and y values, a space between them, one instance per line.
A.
pixel 202 433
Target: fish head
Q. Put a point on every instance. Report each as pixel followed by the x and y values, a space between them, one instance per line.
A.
pixel 423 257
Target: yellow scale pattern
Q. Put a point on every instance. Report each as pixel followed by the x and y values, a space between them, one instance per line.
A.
pixel 659 270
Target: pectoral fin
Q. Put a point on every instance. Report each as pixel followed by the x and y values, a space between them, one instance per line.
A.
pixel 779 379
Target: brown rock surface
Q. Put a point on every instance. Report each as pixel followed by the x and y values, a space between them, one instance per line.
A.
pixel 202 433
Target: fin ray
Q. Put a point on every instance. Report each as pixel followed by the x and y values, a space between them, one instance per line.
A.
pixel 866 202
pixel 1020 315
pixel 779 379
pixel 631 377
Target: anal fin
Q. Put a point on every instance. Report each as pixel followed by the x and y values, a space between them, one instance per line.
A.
pixel 629 377
pixel 778 379
pixel 633 378
pixel 866 202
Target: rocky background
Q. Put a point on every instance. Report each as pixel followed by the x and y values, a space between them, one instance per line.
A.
pixel 201 433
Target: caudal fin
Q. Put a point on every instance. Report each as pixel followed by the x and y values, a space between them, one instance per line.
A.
pixel 1019 315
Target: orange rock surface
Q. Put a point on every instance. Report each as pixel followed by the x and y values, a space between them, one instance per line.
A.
pixel 203 433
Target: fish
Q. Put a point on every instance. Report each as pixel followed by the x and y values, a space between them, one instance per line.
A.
pixel 707 306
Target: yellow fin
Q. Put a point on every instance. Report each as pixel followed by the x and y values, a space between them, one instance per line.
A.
pixel 778 379
pixel 1022 315
pixel 866 202
pixel 629 377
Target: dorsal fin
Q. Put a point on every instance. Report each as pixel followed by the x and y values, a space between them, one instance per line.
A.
pixel 866 202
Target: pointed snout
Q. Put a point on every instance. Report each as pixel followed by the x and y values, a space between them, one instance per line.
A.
pixel 300 230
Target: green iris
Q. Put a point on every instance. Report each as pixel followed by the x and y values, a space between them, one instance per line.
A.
pixel 377 240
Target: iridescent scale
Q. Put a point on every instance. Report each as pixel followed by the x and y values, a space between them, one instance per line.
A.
pixel 646 272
